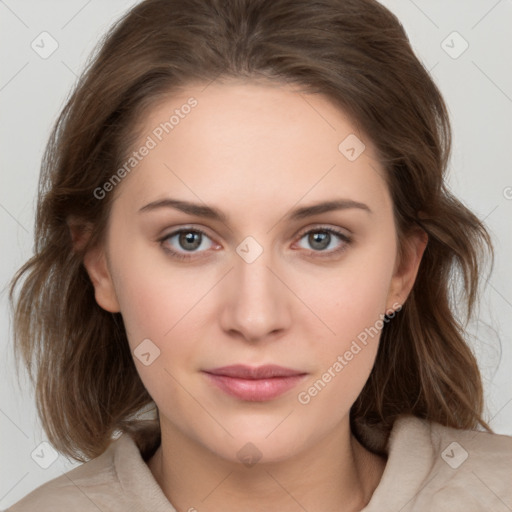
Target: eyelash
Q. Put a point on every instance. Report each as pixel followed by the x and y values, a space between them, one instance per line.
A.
pixel 321 254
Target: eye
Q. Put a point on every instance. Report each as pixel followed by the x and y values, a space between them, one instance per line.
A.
pixel 325 240
pixel 183 241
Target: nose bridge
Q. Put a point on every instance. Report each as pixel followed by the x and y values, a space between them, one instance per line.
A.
pixel 257 304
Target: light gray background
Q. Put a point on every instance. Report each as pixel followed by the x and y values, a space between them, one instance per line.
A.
pixel 477 86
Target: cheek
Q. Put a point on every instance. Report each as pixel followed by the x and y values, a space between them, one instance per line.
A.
pixel 154 295
pixel 354 296
pixel 353 306
pixel 159 313
pixel 352 302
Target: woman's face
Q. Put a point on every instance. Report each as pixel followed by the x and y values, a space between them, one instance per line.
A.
pixel 255 229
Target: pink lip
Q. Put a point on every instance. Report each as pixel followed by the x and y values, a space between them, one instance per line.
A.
pixel 255 384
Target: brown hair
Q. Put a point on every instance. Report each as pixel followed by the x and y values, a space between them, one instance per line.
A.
pixel 353 51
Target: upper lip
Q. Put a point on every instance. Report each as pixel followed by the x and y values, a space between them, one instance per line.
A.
pixel 241 371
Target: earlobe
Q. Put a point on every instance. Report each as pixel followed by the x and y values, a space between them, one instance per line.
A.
pixel 407 268
pixel 95 262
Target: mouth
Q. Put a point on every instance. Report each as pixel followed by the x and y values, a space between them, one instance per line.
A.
pixel 254 384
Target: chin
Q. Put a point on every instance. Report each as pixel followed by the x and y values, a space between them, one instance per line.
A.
pixel 269 442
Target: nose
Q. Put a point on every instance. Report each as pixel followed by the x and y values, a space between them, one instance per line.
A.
pixel 256 303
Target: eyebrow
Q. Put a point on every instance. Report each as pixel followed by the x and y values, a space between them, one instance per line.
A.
pixel 208 212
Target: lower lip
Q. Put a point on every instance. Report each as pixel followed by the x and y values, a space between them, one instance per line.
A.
pixel 255 390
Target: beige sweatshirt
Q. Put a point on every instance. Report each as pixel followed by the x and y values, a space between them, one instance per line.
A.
pixel 429 468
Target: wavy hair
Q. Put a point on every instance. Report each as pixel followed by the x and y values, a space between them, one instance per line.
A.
pixel 354 52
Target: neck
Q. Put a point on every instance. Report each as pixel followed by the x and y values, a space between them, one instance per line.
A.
pixel 194 478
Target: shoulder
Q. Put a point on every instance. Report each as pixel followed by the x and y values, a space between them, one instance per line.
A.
pixel 455 446
pixel 481 449
pixel 118 480
pixel 89 487
pixel 477 464
pixel 457 469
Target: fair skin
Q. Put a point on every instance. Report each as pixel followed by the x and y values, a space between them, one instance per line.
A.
pixel 255 152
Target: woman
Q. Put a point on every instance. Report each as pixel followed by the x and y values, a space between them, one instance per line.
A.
pixel 243 221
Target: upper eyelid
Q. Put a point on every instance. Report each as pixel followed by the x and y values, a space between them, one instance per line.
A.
pixel 317 226
pixel 323 227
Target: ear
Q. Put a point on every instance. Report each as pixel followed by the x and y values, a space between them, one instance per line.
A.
pixel 95 262
pixel 406 268
pixel 80 232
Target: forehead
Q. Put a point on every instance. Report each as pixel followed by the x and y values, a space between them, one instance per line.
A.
pixel 243 142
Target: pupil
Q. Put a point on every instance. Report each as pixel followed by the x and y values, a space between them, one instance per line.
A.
pixel 318 239
pixel 190 238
